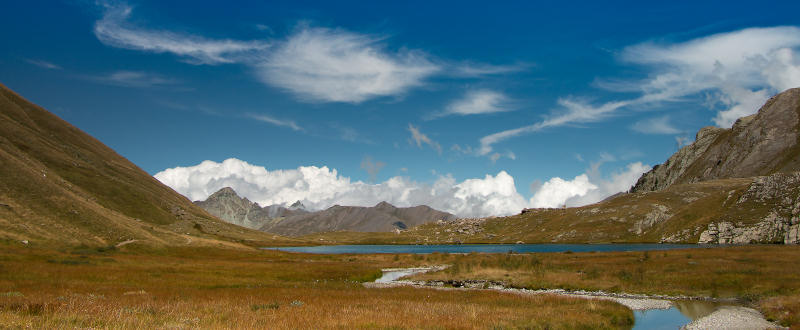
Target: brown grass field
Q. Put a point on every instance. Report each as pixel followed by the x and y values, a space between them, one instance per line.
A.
pixel 195 287
pixel 218 288
pixel 762 276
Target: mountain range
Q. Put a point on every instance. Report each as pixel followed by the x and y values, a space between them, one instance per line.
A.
pixel 737 185
pixel 60 186
pixel 297 221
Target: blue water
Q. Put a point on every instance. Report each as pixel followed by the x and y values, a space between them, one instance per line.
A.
pixel 481 248
pixel 657 319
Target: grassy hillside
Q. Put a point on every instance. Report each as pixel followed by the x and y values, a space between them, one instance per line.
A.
pixel 677 214
pixel 60 186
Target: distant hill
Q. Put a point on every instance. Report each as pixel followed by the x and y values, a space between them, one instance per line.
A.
pixel 227 205
pixel 60 186
pixel 761 144
pixel 296 221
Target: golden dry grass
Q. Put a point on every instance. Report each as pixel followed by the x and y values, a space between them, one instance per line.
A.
pixel 763 276
pixel 216 288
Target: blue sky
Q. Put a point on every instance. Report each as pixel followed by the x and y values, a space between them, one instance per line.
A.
pixel 570 100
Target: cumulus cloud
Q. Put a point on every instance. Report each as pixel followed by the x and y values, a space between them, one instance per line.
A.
pixel 738 69
pixel 274 121
pixel 321 187
pixel 114 30
pixel 556 191
pixel 420 138
pixel 657 125
pixel 477 102
pixel 587 188
pixel 333 65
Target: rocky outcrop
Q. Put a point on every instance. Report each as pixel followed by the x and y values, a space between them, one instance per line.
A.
pixel 658 214
pixel 761 144
pixel 227 205
pixel 780 193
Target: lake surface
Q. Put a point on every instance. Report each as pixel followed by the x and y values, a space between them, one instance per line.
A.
pixel 480 248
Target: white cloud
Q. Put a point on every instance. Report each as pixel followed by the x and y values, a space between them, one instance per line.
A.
pixel 43 64
pixel 314 64
pixel 556 191
pixel 134 79
pixel 740 68
pixel 321 187
pixel 419 138
pixel 657 125
pixel 114 30
pixel 496 156
pixel 477 102
pixel 480 69
pixel 587 188
pixel 278 122
pixel 571 111
pixel 333 65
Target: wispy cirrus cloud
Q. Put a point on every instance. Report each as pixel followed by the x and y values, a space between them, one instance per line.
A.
pixel 274 121
pixel 312 63
pixel 571 111
pixel 115 30
pixel 333 65
pixel 657 125
pixel 43 64
pixel 476 70
pixel 139 79
pixel 737 70
pixel 371 167
pixel 420 138
pixel 474 102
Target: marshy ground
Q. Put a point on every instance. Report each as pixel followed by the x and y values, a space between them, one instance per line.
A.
pixel 135 287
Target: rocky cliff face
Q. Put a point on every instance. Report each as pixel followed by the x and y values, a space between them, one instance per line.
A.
pixel 779 194
pixel 227 205
pixel 757 145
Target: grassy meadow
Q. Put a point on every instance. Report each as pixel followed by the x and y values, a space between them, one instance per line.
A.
pixel 206 287
pixel 138 287
pixel 761 276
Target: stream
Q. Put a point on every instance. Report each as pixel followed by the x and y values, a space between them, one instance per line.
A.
pixel 648 313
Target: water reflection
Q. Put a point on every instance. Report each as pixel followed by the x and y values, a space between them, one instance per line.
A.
pixel 681 313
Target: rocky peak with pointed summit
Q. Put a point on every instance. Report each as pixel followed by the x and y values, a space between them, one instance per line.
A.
pixel 227 205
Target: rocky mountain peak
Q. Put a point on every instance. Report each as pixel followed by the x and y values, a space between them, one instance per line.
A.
pixel 384 206
pixel 224 192
pixel 761 144
pixel 297 206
